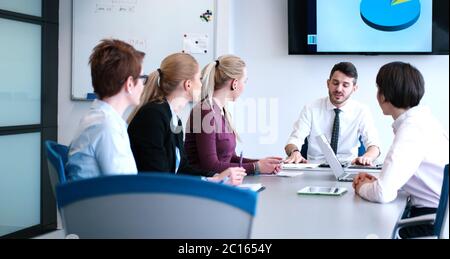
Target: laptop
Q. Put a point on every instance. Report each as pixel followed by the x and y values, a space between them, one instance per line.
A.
pixel 335 165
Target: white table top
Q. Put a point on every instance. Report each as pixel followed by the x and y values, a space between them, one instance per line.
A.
pixel 282 213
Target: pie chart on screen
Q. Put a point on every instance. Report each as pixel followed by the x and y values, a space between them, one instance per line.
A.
pixel 390 15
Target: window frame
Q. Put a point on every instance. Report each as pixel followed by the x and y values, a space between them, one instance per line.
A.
pixel 48 127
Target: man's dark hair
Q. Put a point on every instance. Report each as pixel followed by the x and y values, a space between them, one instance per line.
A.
pixel 112 63
pixel 347 69
pixel 401 84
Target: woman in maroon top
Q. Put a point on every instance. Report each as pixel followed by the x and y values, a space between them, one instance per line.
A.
pixel 210 137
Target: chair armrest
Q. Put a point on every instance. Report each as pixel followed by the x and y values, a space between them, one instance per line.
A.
pixel 415 221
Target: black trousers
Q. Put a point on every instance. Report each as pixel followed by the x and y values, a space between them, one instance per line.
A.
pixel 418 231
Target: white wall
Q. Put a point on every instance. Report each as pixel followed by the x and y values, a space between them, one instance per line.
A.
pixel 259 35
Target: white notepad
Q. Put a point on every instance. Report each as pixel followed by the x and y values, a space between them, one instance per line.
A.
pixel 298 166
pixel 289 174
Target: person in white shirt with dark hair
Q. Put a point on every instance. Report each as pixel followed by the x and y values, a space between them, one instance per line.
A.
pixel 419 152
pixel 101 145
pixel 342 120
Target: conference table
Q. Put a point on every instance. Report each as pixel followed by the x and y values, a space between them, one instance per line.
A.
pixel 282 213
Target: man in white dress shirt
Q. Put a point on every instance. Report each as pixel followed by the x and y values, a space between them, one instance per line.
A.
pixel 420 150
pixel 342 120
pixel 101 145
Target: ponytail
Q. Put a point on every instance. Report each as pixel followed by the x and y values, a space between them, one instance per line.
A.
pixel 214 77
pixel 208 82
pixel 152 93
pixel 175 69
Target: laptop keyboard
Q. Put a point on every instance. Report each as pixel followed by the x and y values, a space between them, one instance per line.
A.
pixel 364 167
pixel 348 177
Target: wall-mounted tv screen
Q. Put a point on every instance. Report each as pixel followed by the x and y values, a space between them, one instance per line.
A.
pixel 368 26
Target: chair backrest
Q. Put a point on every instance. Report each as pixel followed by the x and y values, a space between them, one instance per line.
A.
pixel 441 222
pixel 304 150
pixel 362 148
pixel 56 159
pixel 445 230
pixel 155 206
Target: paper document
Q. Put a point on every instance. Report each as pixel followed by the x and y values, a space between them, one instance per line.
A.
pixel 252 186
pixel 289 174
pixel 195 43
pixel 298 166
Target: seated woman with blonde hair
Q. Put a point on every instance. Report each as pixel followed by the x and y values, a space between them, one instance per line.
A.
pixel 156 132
pixel 211 138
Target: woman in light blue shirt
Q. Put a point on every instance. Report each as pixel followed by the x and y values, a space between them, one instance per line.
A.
pixel 101 145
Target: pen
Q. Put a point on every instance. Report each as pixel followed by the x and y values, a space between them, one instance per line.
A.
pixel 240 159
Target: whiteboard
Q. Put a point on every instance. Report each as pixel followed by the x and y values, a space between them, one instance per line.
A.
pixel 156 27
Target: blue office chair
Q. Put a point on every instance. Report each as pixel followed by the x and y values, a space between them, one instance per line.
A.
pixel 56 159
pixel 304 149
pixel 438 220
pixel 158 206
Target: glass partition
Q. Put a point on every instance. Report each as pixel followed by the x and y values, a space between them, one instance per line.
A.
pixel 20 73
pixel 20 182
pixel 30 7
